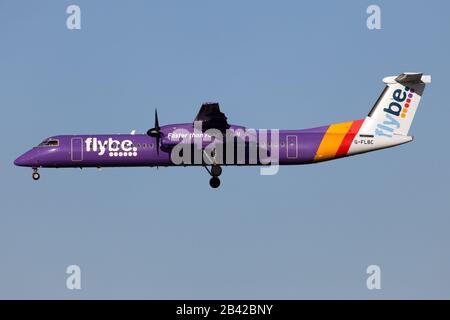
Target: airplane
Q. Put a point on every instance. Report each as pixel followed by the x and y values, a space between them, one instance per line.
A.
pixel 387 125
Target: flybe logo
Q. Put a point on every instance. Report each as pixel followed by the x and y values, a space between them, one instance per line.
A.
pixel 397 108
pixel 115 148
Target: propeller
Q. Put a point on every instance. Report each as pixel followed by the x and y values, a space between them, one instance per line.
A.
pixel 155 132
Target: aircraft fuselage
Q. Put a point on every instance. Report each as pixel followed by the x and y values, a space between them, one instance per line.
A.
pixel 140 150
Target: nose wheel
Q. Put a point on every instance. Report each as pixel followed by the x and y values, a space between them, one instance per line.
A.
pixel 215 172
pixel 214 182
pixel 35 175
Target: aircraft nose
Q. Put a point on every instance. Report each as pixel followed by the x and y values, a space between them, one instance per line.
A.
pixel 24 160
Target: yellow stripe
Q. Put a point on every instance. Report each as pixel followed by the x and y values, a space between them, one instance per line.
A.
pixel 332 140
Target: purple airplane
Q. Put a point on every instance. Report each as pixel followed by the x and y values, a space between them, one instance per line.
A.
pixel 211 142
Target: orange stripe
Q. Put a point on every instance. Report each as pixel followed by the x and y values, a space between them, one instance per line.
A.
pixel 348 139
pixel 332 140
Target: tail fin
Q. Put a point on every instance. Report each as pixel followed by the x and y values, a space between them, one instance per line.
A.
pixel 394 110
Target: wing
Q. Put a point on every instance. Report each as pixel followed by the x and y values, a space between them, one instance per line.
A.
pixel 211 117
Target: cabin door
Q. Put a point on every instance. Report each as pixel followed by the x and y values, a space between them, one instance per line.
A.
pixel 76 149
pixel 291 147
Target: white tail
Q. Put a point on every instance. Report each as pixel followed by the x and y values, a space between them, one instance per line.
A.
pixel 394 110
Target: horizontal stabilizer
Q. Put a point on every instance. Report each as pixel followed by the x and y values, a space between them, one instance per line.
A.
pixel 408 77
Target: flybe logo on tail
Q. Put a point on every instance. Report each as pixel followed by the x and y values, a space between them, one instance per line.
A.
pixel 397 108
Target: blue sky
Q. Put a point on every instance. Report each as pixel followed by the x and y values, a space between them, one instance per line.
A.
pixel 308 232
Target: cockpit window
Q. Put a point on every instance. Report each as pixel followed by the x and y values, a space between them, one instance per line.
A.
pixel 49 143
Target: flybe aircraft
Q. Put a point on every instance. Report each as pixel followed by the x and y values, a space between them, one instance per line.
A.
pixel 210 141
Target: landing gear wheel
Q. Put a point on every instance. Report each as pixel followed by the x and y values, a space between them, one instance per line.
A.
pixel 214 182
pixel 36 176
pixel 216 170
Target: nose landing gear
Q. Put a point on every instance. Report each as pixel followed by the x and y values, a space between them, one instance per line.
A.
pixel 215 172
pixel 214 182
pixel 35 174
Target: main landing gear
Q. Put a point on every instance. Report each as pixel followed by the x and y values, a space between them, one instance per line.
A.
pixel 35 174
pixel 215 172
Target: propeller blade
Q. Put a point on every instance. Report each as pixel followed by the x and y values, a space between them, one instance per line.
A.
pixel 156 119
pixel 155 131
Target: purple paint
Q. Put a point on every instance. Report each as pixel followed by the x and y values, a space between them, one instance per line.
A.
pixel 97 151
pixel 77 149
